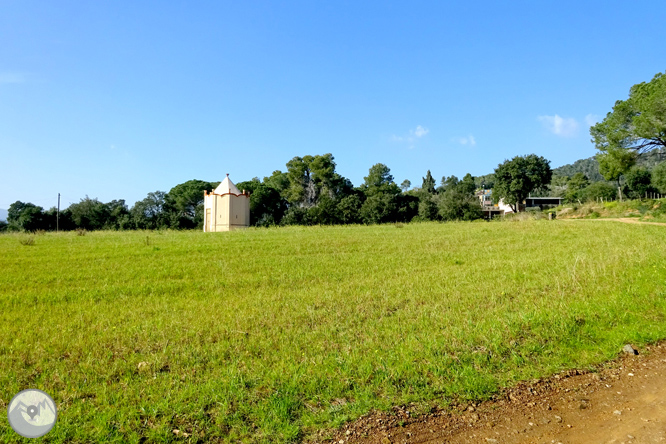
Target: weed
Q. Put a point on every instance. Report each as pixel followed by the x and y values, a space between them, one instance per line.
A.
pixel 28 241
pixel 81 231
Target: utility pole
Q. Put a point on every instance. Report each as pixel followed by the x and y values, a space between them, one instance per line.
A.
pixel 58 215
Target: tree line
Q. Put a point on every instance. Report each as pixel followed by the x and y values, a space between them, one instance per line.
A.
pixel 311 192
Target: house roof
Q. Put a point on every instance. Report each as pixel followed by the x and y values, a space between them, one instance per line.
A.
pixel 226 187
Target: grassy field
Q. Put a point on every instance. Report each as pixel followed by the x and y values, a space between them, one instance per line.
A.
pixel 270 335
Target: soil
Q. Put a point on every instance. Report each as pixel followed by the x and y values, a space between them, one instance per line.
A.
pixel 623 401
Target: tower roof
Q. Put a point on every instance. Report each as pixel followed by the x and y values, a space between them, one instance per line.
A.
pixel 226 187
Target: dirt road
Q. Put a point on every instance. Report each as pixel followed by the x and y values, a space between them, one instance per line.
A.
pixel 624 402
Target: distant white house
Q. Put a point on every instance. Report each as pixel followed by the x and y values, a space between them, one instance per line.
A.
pixel 226 208
pixel 490 209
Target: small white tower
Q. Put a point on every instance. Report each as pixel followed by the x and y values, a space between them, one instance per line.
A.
pixel 226 208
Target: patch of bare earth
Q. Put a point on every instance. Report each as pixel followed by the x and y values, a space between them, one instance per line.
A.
pixel 623 402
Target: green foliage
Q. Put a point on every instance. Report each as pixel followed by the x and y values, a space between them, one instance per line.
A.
pixel 659 177
pixel 427 209
pixel 184 203
pixel 575 186
pixel 515 179
pixel 349 209
pixel 90 214
pixel 454 204
pixel 429 183
pixel 379 180
pixel 23 216
pixel 638 181
pixel 149 213
pixel 589 167
pixel 597 191
pixel 267 207
pixel 637 123
pixel 406 185
pixel 380 207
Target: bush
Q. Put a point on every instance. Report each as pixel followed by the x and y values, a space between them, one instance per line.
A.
pixel 28 241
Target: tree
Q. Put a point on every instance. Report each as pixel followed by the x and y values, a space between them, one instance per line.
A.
pixel 515 179
pixel 457 200
pixel 267 207
pixel 379 180
pixel 90 214
pixel 278 181
pixel 574 187
pixel 467 185
pixel 599 190
pixel 639 181
pixel 349 209
pixel 638 123
pixel 25 216
pixel 149 213
pixel 379 208
pixel 428 183
pixel 614 162
pixel 184 203
pixel 308 176
pixel 405 185
pixel 659 177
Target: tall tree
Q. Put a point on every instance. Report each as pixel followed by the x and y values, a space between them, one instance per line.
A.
pixel 515 179
pixel 90 214
pixel 428 183
pixel 379 180
pixel 638 123
pixel 614 162
pixel 638 181
pixel 308 176
pixel 184 203
pixel 25 216
pixel 149 213
pixel 405 185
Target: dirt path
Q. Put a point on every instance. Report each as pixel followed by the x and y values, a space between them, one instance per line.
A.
pixel 624 402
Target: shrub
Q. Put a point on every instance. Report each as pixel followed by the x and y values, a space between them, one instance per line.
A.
pixel 28 241
pixel 81 231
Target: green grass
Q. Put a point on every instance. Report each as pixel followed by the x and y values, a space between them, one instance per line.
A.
pixel 270 335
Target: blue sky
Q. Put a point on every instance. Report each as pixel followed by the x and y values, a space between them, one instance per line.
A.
pixel 115 99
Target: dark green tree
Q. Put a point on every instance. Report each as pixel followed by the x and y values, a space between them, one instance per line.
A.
pixel 428 183
pixel 267 207
pixel 515 179
pixel 349 209
pixel 90 214
pixel 405 185
pixel 184 203
pixel 659 177
pixel 639 181
pixel 25 216
pixel 149 213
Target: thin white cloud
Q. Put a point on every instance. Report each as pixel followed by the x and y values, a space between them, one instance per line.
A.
pixel 592 119
pixel 412 137
pixel 469 140
pixel 11 77
pixel 560 126
pixel 420 131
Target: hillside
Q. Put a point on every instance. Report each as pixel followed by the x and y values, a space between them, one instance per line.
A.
pixel 590 166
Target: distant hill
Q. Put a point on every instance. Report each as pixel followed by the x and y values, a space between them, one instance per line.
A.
pixel 590 166
pixel 3 215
